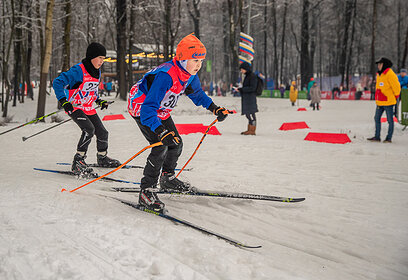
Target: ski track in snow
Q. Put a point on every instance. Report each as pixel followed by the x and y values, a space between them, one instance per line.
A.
pixel 352 224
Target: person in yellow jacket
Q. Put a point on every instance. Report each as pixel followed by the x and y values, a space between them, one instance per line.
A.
pixel 387 90
pixel 293 93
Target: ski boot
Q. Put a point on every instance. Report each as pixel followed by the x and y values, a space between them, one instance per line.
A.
pixel 105 161
pixel 149 200
pixel 169 182
pixel 81 168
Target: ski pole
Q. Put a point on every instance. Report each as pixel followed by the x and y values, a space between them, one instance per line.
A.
pixel 30 122
pixel 28 137
pixel 117 168
pixel 44 130
pixel 201 141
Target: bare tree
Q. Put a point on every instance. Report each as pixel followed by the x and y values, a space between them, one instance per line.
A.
pixel 46 59
pixel 121 47
pixel 235 15
pixel 194 12
pixel 66 53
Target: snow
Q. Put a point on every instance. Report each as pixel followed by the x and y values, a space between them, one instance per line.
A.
pixel 352 225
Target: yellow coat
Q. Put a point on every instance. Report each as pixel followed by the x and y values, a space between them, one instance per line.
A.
pixel 293 94
pixel 387 88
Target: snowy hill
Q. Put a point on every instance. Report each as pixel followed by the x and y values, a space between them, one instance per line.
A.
pixel 352 225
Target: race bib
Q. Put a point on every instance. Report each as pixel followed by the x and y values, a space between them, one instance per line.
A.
pixel 90 86
pixel 170 100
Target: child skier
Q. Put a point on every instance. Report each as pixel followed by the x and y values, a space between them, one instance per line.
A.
pixel 79 86
pixel 150 102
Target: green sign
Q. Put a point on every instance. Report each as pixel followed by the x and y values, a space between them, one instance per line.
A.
pixel 209 64
pixel 404 107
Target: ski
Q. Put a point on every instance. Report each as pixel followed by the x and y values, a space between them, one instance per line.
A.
pixel 92 176
pixel 197 192
pixel 124 167
pixel 185 223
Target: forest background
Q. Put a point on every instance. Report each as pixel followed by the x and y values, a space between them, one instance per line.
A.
pixel 293 39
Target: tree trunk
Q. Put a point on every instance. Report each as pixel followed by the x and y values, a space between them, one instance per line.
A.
pixel 350 55
pixel 46 60
pixel 373 33
pixel 194 12
pixel 30 93
pixel 343 56
pixel 121 51
pixel 404 56
pixel 283 40
pixel 265 58
pixel 226 68
pixel 275 73
pixel 66 52
pixel 304 46
pixel 235 14
pixel 17 54
pixel 131 35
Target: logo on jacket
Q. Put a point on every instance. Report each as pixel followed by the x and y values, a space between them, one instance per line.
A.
pixel 381 84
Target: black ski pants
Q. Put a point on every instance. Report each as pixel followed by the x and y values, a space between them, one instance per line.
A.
pixel 90 125
pixel 160 157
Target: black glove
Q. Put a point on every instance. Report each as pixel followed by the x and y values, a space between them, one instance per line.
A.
pixel 103 103
pixel 220 112
pixel 168 138
pixel 66 105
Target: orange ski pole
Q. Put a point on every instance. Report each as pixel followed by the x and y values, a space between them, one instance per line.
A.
pixel 199 144
pixel 117 168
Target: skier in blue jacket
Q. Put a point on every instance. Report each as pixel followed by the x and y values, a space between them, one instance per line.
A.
pixel 150 102
pixel 79 86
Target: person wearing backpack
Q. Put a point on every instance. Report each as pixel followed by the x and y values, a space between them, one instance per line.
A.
pixel 248 97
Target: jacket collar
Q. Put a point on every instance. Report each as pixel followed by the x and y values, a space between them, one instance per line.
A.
pixel 182 74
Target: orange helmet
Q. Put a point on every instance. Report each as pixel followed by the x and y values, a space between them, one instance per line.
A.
pixel 190 47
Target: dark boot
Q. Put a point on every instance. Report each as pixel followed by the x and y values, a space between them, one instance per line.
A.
pixel 169 182
pixel 105 161
pixel 148 198
pixel 374 139
pixel 317 106
pixel 79 166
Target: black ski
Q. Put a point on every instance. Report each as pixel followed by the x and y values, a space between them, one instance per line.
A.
pixel 184 222
pixel 124 167
pixel 92 175
pixel 197 192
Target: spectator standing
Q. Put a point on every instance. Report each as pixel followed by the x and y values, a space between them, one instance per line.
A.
pixel 315 96
pixel 387 90
pixel 282 90
pixel 293 93
pixel 309 86
pixel 108 87
pixel 335 91
pixel 248 97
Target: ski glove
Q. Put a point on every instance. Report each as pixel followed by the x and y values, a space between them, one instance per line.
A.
pixel 103 103
pixel 168 138
pixel 220 112
pixel 66 105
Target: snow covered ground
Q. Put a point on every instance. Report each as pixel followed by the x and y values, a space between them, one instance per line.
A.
pixel 352 225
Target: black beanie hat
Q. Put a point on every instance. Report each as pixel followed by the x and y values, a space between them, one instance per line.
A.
pixel 246 66
pixel 94 50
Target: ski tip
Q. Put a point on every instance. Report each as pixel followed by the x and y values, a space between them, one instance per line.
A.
pixel 63 190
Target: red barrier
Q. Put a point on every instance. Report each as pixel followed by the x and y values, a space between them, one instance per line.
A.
pixel 333 138
pixel 196 128
pixel 113 117
pixel 293 125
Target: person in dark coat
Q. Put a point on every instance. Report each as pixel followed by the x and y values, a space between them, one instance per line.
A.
pixel 248 97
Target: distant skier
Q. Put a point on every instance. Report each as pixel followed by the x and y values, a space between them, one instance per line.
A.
pixel 79 86
pixel 150 102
